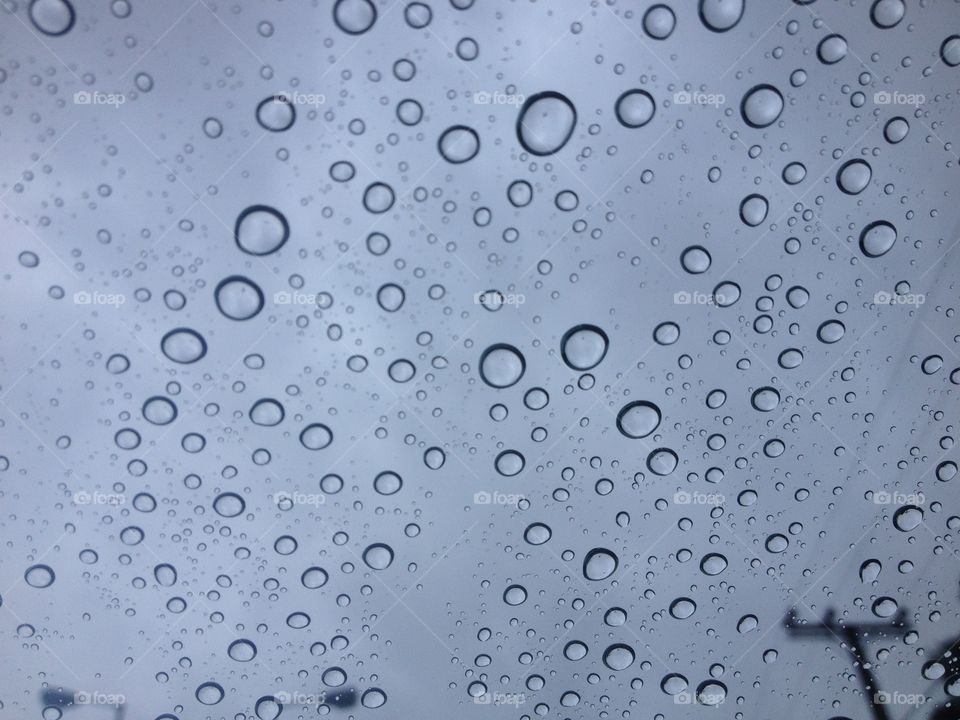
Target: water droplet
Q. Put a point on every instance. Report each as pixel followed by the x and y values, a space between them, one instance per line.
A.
pixel 229 505
pixel 209 693
pixel 261 230
pixel 713 564
pixel 638 419
pixel 878 238
pixel 545 123
pixel 51 17
pixel 854 176
pixel 316 436
pixel 238 298
pixel 682 608
pixel 501 365
pixel 378 556
pixel 659 22
pixel 242 650
pixel 276 113
pixel 583 347
pixel 39 576
pixel 515 595
pixel 831 331
pixel 618 657
pixel 635 108
pixel 354 17
pixel 458 144
pixel 509 463
pixel 537 533
pixel 908 518
pixel 721 15
pixel 599 564
pixel 761 106
pixel 662 461
pixel 183 346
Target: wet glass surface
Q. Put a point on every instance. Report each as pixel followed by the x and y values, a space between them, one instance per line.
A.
pixel 466 358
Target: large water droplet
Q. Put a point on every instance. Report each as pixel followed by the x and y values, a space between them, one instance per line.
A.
pixel 261 230
pixel 583 347
pixel 238 298
pixel 599 564
pixel 721 15
pixel 878 238
pixel 761 106
pixel 183 346
pixel 638 419
pixel 502 365
pixel 546 122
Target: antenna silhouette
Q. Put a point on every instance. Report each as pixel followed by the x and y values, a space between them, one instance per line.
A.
pixel 853 636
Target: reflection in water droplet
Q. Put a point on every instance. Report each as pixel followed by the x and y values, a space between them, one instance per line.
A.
pixel 276 113
pixel 51 17
pixel 761 106
pixel 242 650
pixel 183 346
pixel 583 347
pixel 515 595
pixel 662 461
pixel 39 576
pixel 458 144
pixel 316 436
pixel 378 556
pixel 638 419
pixel 545 123
pixel 854 176
pixel 599 564
pixel 501 365
pixel 509 463
pixel 354 17
pixel 261 230
pixel 682 608
pixel 877 238
pixel 713 564
pixel 228 504
pixel 831 331
pixel 238 298
pixel 659 22
pixel 908 518
pixel 765 399
pixel 266 412
pixel 618 657
pixel 635 108
pixel 209 693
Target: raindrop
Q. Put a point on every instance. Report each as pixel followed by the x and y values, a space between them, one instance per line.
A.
pixel 545 123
